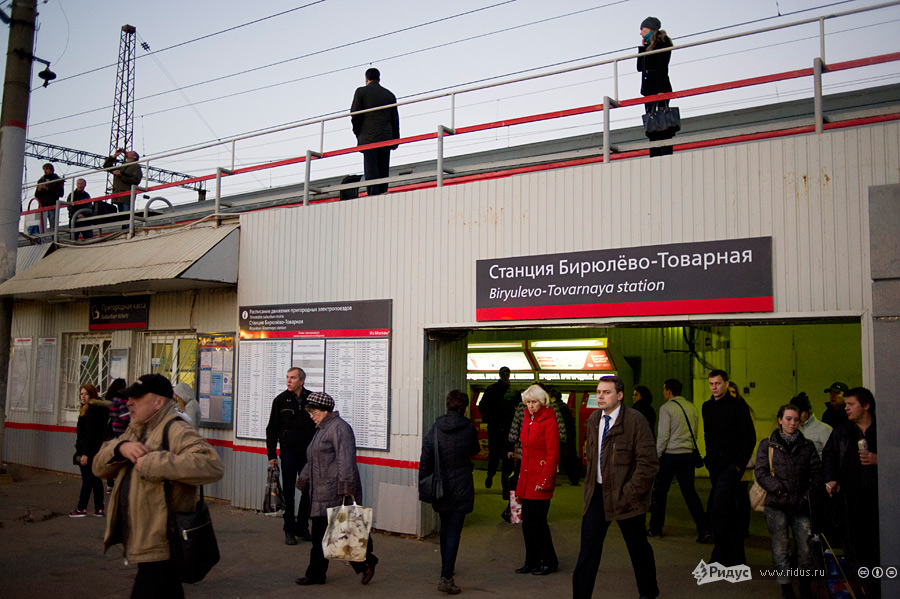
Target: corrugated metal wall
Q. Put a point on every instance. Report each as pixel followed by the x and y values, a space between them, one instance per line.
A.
pixel 419 248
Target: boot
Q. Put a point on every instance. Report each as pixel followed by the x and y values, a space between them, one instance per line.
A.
pixel 787 592
pixel 448 586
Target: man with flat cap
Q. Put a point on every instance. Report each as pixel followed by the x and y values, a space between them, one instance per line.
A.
pixel 137 514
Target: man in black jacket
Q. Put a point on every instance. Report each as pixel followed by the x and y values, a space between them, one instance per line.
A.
pixel 375 126
pixel 290 425
pixel 730 439
pixel 49 189
pixel 497 408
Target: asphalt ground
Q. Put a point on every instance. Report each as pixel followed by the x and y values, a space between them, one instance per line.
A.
pixel 44 553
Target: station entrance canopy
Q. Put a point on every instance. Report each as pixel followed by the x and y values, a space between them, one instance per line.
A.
pixel 156 261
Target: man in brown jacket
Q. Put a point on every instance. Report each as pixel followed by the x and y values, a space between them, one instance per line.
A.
pixel 137 512
pixel 621 465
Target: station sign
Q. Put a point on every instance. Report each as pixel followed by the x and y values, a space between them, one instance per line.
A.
pixel 710 277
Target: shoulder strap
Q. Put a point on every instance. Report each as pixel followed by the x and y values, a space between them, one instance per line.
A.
pixel 437 456
pixel 771 465
pixel 167 484
pixel 687 421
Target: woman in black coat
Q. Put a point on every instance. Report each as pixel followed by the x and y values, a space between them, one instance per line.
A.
pixel 654 71
pixel 457 441
pixel 794 472
pixel 93 415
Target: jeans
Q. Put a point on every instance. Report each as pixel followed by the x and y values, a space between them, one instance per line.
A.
pixel 90 483
pixel 51 220
pixel 291 465
pixel 451 531
pixel 376 165
pixel 724 516
pixel 538 542
pixel 678 466
pixel 778 522
pixel 318 565
pixel 594 527
pixel 157 580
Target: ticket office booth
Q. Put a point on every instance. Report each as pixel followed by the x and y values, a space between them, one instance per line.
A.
pixel 571 365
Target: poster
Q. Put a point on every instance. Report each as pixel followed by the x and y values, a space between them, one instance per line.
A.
pixel 45 375
pixel 214 389
pixel 19 374
pixel 344 348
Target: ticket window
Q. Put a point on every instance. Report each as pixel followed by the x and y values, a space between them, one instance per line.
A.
pixel 86 360
pixel 173 356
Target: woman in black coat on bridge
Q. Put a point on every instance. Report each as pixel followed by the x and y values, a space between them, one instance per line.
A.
pixel 654 71
pixel 457 442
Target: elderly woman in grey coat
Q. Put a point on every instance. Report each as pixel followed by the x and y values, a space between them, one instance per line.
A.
pixel 331 476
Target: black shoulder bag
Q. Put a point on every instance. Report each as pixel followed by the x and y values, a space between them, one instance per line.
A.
pixel 192 542
pixel 698 459
pixel 431 488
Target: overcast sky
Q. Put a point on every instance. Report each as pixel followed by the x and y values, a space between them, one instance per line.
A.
pixel 326 45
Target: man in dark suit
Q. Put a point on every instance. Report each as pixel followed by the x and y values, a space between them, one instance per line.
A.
pixel 375 126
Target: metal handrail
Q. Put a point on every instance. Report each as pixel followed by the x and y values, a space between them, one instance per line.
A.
pixel 452 95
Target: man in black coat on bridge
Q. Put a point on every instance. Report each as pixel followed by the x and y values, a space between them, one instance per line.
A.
pixel 375 126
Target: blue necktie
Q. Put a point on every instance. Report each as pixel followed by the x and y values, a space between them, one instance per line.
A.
pixel 603 436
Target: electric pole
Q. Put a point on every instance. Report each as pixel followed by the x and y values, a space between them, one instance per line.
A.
pixel 13 118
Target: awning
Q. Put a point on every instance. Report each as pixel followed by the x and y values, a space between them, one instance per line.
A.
pixel 153 261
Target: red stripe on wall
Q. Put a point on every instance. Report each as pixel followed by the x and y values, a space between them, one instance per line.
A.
pixel 47 428
pixel 706 306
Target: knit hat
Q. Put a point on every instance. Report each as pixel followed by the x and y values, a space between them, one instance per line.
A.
pixel 651 23
pixel 802 402
pixel 149 383
pixel 184 391
pixel 320 401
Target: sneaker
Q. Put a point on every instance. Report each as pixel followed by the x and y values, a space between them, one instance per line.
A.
pixel 76 513
pixel 448 586
pixel 99 513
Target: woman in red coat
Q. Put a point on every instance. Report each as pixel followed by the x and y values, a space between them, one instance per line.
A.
pixel 540 455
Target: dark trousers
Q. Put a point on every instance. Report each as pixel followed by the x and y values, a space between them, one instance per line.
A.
pixel 724 517
pixel 90 483
pixel 157 580
pixel 291 465
pixel 497 456
pixel 451 531
pixel 318 565
pixel 594 526
pixel 538 542
pixel 678 466
pixel 376 165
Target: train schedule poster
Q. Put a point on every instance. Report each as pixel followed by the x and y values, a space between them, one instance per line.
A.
pixel 344 348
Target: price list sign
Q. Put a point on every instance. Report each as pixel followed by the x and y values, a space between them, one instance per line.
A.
pixel 344 348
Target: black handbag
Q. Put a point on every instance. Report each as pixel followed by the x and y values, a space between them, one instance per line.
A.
pixel 664 120
pixel 192 541
pixel 695 455
pixel 431 488
pixel 273 501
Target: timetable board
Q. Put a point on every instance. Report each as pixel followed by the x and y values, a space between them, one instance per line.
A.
pixel 344 348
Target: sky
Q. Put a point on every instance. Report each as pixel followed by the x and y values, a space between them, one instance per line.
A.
pixel 188 90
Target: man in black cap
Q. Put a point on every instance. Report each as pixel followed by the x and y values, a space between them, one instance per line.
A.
pixel 835 415
pixel 497 408
pixel 290 425
pixel 138 514
pixel 372 127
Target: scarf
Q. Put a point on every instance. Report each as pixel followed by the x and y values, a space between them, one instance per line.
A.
pixel 789 439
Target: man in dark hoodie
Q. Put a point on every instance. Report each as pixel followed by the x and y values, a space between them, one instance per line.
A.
pixel 291 426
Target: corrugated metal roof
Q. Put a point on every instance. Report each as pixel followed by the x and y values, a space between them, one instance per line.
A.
pixel 28 255
pixel 148 257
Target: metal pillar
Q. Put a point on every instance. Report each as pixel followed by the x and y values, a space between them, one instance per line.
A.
pixel 818 67
pixel 441 131
pixel 13 118
pixel 309 157
pixel 607 104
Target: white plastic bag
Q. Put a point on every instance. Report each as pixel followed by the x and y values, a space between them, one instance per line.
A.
pixel 347 535
pixel 515 508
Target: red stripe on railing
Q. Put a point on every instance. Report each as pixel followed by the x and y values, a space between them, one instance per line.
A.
pixel 530 119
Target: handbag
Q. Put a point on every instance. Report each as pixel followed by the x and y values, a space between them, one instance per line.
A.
pixel 695 455
pixel 664 120
pixel 273 500
pixel 192 541
pixel 515 508
pixel 757 493
pixel 347 534
pixel 431 487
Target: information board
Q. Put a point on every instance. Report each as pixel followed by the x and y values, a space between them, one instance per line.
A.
pixel 19 373
pixel 45 375
pixel 344 348
pixel 215 387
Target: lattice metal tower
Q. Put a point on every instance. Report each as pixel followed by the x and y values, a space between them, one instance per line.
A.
pixel 123 103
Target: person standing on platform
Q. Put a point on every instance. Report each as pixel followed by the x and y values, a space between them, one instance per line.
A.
pixel 654 71
pixel 497 408
pixel 621 464
pixel 124 177
pixel 49 189
pixel 675 443
pixel 568 452
pixel 375 126
pixel 835 415
pixel 642 401
pixel 812 429
pixel 730 440
pixel 291 427
pixel 76 195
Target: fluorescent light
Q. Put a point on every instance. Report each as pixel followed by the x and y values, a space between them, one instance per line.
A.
pixel 507 345
pixel 558 343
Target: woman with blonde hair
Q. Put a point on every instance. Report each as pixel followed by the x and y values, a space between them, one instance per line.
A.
pixel 539 438
pixel 93 413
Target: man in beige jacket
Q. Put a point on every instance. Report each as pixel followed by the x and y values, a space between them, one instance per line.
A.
pixel 137 512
